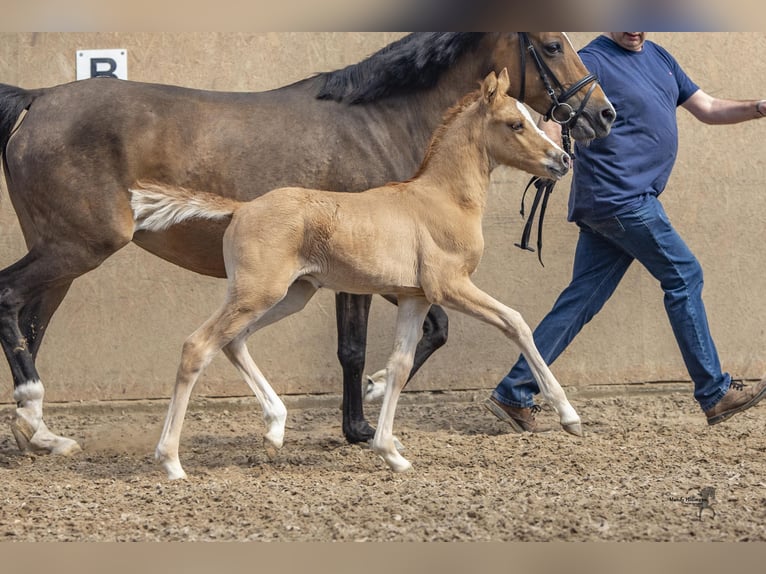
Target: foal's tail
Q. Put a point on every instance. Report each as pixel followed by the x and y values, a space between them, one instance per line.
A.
pixel 13 101
pixel 157 207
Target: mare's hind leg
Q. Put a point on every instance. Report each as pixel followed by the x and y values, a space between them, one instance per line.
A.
pixel 35 317
pixel 412 311
pixel 435 332
pixel 274 411
pixel 30 290
pixel 352 312
pixel 33 321
pixel 466 297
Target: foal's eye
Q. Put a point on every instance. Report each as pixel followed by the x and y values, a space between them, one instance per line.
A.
pixel 554 48
pixel 516 126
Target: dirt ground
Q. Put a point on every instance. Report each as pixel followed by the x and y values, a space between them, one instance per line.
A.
pixel 643 472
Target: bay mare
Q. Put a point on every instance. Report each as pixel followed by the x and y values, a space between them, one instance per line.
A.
pixel 420 241
pixel 68 172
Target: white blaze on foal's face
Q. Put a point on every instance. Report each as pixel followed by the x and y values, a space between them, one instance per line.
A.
pixel 533 124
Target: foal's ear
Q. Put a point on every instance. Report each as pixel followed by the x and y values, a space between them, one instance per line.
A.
pixel 489 87
pixel 503 82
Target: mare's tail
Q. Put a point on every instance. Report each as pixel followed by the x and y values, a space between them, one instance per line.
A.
pixel 157 207
pixel 13 101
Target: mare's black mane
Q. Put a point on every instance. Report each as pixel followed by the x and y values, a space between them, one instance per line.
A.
pixel 411 63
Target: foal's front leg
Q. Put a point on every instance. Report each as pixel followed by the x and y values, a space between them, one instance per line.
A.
pixel 412 311
pixel 435 332
pixel 466 297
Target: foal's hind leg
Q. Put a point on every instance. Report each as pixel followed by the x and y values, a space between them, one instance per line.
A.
pixel 274 411
pixel 435 332
pixel 228 323
pixel 466 297
pixel 198 350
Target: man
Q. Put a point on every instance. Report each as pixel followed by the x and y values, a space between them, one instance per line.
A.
pixel 614 200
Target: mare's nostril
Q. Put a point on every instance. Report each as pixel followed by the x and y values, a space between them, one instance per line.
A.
pixel 566 161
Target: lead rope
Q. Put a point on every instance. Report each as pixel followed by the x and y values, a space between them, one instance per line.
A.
pixel 544 189
pixel 558 104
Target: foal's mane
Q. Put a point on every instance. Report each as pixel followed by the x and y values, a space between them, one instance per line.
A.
pixel 447 121
pixel 413 62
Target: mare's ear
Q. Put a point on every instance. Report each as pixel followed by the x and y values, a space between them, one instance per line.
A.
pixel 503 82
pixel 489 87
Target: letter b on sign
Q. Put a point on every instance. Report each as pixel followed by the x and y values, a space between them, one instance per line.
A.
pixel 102 64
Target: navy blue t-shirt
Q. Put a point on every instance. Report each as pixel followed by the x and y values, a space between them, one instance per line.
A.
pixel 615 173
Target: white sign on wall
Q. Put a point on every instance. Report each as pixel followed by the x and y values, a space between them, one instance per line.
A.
pixel 102 63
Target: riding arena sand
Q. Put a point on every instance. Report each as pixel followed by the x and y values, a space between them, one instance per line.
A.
pixel 648 469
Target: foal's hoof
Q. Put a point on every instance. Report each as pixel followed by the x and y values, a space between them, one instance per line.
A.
pixel 172 468
pixel 396 462
pixel 574 429
pixel 397 444
pixel 271 448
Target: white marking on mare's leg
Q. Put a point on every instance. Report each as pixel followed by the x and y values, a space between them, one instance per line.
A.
pixel 28 427
pixel 376 386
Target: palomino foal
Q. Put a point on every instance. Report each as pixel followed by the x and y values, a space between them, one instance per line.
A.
pixel 419 240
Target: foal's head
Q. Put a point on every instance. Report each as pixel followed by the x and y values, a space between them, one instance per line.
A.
pixel 513 138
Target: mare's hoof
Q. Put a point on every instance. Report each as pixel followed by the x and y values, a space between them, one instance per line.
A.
pixel 360 432
pixel 41 441
pixel 22 432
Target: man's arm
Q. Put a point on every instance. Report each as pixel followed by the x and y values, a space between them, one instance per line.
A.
pixel 711 110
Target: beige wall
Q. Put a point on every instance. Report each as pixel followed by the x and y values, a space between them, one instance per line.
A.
pixel 119 332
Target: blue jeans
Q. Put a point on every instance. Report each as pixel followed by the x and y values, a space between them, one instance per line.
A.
pixel 605 250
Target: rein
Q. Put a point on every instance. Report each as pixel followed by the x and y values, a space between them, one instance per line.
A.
pixel 563 114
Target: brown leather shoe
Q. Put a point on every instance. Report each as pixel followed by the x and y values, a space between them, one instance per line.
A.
pixel 738 398
pixel 520 419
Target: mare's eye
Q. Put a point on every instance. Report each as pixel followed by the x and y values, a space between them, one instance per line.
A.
pixel 516 126
pixel 554 48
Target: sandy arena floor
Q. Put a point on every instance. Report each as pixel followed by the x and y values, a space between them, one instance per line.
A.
pixel 643 472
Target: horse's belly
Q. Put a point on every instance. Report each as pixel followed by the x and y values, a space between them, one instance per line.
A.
pixel 358 276
pixel 195 245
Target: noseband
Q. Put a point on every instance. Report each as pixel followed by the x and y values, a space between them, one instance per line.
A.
pixel 560 112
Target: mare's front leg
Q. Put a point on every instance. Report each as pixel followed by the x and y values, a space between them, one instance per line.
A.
pixel 412 311
pixel 352 312
pixel 464 296
pixel 435 332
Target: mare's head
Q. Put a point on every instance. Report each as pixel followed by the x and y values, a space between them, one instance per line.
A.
pixel 511 135
pixel 541 63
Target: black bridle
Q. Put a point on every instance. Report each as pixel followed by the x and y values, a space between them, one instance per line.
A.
pixel 560 112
